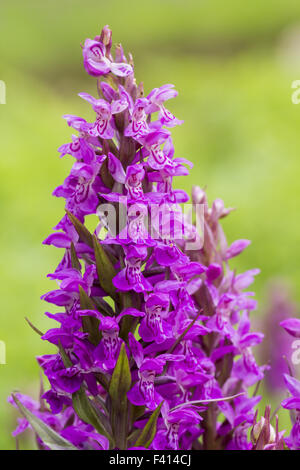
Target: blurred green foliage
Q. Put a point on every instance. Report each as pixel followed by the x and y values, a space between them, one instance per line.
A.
pixel 233 63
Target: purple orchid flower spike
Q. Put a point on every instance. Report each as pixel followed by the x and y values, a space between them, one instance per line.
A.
pixel 150 333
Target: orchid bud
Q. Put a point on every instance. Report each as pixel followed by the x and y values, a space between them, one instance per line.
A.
pixel 105 38
pixel 260 427
pixel 198 195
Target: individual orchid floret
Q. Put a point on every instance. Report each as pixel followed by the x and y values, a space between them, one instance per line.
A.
pixel 82 185
pixel 138 125
pixel 131 277
pixel 69 282
pixel 154 326
pixel 133 181
pixel 152 141
pixel 79 149
pixel 244 340
pixel 176 422
pixel 156 99
pixel 104 124
pixel 96 62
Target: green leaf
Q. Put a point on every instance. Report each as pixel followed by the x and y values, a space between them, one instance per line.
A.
pixel 126 300
pixel 148 433
pixel 102 380
pixel 119 386
pixel 83 405
pixel 49 437
pixel 105 269
pixel 127 149
pixel 136 412
pixel 74 258
pixel 129 324
pixel 121 378
pixel 103 307
pixel 90 324
pixel 34 327
pixel 85 302
pixel 133 437
pixel 87 413
pixel 65 358
pixel 82 231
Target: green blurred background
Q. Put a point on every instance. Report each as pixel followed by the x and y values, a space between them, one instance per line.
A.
pixel 233 63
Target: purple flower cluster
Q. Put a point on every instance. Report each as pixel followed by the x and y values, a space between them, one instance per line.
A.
pixel 154 342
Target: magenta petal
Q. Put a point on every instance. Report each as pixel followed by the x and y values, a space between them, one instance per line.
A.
pixel 135 397
pixel 58 297
pixel 291 403
pixel 69 380
pixel 292 326
pixel 121 70
pixel 58 239
pixel 116 169
pixel 293 385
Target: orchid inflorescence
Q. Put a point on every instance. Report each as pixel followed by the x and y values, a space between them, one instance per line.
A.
pixel 154 342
